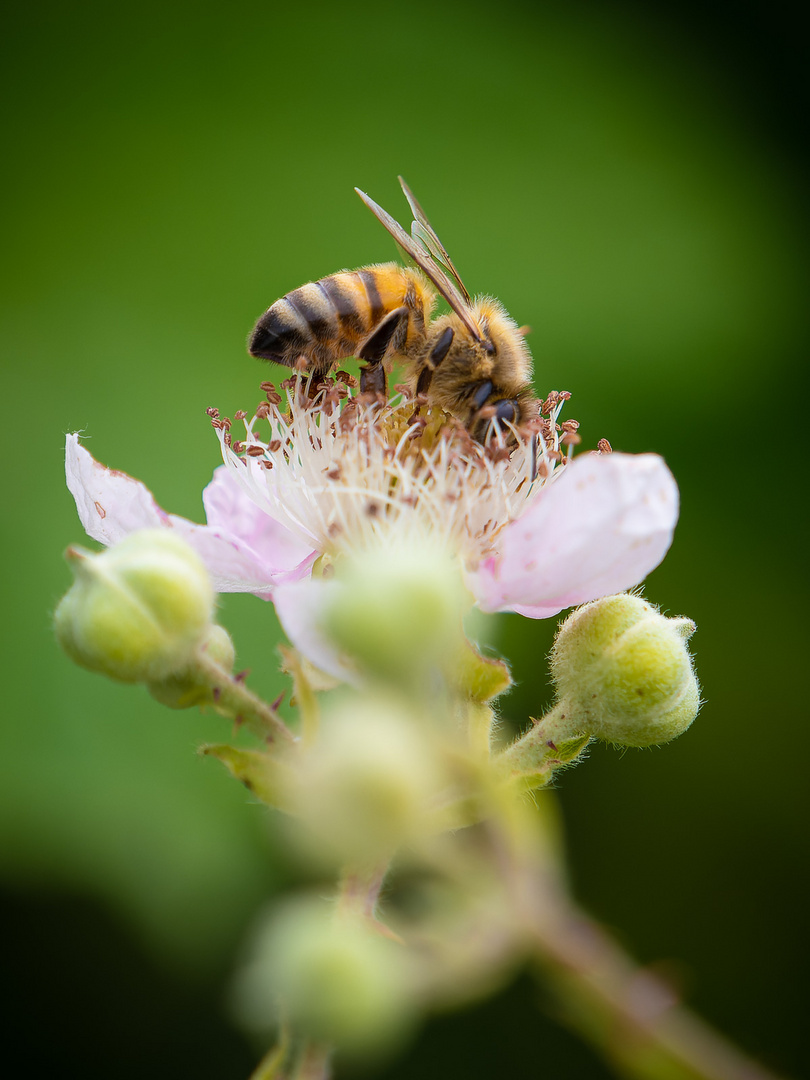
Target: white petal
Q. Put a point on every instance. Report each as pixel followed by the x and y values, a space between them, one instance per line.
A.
pixel 599 529
pixel 300 606
pixel 112 505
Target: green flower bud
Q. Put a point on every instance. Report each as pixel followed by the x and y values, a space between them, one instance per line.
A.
pixel 137 611
pixel 623 673
pixel 338 981
pixel 189 688
pixel 364 788
pixel 400 609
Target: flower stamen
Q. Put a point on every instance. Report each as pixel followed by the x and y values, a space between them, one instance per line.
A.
pixel 342 468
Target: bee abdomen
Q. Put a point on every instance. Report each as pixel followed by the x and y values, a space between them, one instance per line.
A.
pixel 322 321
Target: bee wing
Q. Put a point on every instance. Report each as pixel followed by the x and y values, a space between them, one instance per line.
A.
pixel 426 262
pixel 424 233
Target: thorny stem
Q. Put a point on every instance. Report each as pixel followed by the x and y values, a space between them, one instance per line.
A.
pixel 233 698
pixel 629 1014
pixel 632 1017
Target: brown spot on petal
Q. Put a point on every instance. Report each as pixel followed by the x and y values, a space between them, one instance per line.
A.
pixel 102 513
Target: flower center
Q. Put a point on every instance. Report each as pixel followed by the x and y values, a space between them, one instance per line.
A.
pixel 343 470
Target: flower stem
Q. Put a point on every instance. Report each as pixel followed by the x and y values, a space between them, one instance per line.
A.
pixel 270 1065
pixel 479 724
pixel 311 1062
pixel 550 743
pixel 630 1015
pixel 627 1013
pixel 315 1064
pixel 233 699
pixel 359 893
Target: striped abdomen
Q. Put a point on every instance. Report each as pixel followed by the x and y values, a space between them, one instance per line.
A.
pixel 328 320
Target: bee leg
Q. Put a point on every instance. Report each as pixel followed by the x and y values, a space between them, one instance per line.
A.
pixel 437 354
pixel 373 380
pixel 376 345
pixel 503 411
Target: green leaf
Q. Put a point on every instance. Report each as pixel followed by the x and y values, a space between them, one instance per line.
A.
pixel 480 677
pixel 262 774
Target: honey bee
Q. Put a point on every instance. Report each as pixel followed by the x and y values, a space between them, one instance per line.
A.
pixel 472 362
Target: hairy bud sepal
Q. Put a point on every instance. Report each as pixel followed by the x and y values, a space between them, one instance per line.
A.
pixel 136 611
pixel 623 673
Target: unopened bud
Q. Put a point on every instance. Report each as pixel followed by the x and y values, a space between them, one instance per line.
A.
pixel 137 611
pixel 400 610
pixel 365 787
pixel 623 673
pixel 193 686
pixel 339 982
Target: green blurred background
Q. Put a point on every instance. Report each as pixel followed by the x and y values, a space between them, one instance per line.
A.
pixel 628 181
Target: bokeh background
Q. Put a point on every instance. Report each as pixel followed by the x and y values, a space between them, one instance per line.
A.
pixel 628 179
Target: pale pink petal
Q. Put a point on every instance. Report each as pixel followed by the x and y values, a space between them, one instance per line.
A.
pixel 227 506
pixel 300 606
pixel 112 505
pixel 599 529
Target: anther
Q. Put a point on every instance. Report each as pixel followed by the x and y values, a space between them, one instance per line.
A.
pixel 604 447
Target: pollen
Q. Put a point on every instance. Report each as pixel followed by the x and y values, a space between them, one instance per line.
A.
pixel 347 471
